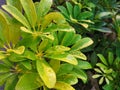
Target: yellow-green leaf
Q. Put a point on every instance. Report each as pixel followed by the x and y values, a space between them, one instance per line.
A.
pixel 30 11
pixel 63 57
pixel 26 30
pixel 63 86
pixel 78 54
pixel 96 76
pixel 28 81
pixel 46 73
pixel 16 14
pixel 102 58
pixel 82 43
pixel 54 17
pixel 101 80
pixel 43 8
pixel 19 50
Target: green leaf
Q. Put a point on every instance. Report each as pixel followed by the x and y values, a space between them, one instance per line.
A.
pixel 96 76
pixel 102 58
pixel 43 8
pixel 15 3
pixel 59 27
pixel 4 69
pixel 108 86
pixel 101 65
pixel 78 54
pixel 98 70
pixel 57 49
pixel 103 14
pixel 108 71
pixel 30 11
pixel 14 32
pixel 63 57
pixel 70 8
pixel 76 11
pixel 4 77
pixel 16 14
pixel 11 82
pixel 64 69
pixel 43 45
pixel 83 43
pixel 68 78
pixel 53 17
pixel 76 38
pixel 64 11
pixel 107 81
pixel 63 86
pixel 80 74
pixel 85 15
pixel 103 29
pixel 29 55
pixel 67 37
pixel 28 81
pixel 101 80
pixel 3 28
pixel 46 73
pixel 55 65
pixel 83 65
pixel 16 57
pixel 27 64
pixel 110 58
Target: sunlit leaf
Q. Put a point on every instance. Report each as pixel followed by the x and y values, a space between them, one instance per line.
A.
pixel 98 70
pixel 54 17
pixel 83 65
pixel 46 73
pixel 96 76
pixel 107 81
pixel 43 8
pixel 101 65
pixel 83 43
pixel 78 54
pixel 101 80
pixel 103 14
pixel 68 78
pixel 26 30
pixel 64 57
pixel 57 49
pixel 16 14
pixel 63 86
pixel 102 58
pixel 3 29
pixel 30 11
pixel 19 50
pixel 80 74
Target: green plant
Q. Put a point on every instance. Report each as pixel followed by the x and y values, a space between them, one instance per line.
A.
pixel 39 49
pixel 76 16
pixel 108 70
